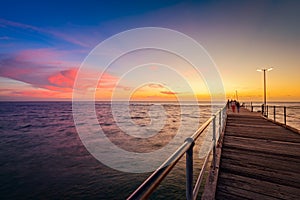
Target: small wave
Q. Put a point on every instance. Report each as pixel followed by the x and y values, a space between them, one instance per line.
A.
pixel 157 145
pixel 23 127
pixel 138 117
pixel 106 124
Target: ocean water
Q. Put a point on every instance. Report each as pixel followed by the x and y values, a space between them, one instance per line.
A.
pixel 43 157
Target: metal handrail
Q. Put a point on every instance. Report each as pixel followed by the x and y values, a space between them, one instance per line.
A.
pixel 153 181
pixel 266 109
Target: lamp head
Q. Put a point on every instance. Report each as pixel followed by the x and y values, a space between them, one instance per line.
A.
pixel 261 70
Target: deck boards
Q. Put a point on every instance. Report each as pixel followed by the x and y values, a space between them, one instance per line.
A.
pixel 259 160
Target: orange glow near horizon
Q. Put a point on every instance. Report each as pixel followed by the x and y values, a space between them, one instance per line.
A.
pixel 278 89
pixel 150 93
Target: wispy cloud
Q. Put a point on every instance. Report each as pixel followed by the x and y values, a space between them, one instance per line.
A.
pixel 168 92
pixel 155 85
pixel 5 38
pixel 59 35
pixel 46 56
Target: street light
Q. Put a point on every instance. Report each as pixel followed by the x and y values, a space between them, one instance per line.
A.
pixel 265 96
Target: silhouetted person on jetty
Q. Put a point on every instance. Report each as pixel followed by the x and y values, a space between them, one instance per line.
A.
pixel 233 105
pixel 238 106
pixel 228 103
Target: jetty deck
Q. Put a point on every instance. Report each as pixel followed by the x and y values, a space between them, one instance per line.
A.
pixel 259 159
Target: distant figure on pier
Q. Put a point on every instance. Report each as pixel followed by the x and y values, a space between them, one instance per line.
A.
pixel 228 102
pixel 233 105
pixel 238 106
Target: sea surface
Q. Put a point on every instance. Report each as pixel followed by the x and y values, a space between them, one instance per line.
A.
pixel 43 157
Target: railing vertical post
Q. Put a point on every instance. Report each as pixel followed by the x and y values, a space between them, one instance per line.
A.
pixel 189 173
pixel 251 108
pixel 263 109
pixel 222 119
pixel 220 123
pixel 267 110
pixel 224 116
pixel 214 142
pixel 284 111
pixel 274 113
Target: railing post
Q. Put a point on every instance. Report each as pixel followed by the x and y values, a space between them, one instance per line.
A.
pixel 251 108
pixel 274 113
pixel 224 115
pixel 189 172
pixel 284 111
pixel 220 123
pixel 214 142
pixel 263 109
pixel 267 111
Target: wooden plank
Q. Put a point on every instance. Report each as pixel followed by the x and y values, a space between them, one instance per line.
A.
pixel 261 187
pixel 260 134
pixel 278 162
pixel 240 193
pixel 262 173
pixel 267 146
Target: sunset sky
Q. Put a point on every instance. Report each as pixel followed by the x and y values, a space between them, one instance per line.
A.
pixel 43 43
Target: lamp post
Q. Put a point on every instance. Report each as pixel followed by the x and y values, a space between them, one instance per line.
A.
pixel 265 89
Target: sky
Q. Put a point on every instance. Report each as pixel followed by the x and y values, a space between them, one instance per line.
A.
pixel 44 43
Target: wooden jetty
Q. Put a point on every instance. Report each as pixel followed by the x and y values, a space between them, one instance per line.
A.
pixel 259 159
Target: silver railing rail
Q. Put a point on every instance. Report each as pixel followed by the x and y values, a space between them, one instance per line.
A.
pixel 275 113
pixel 154 180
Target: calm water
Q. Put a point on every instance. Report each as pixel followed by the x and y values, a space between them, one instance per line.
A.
pixel 42 157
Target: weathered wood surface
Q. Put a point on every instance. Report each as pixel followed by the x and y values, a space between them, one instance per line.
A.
pixel 259 160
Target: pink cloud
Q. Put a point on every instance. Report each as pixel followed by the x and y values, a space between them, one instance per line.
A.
pixel 34 66
pixel 153 67
pixel 39 72
pixel 109 81
pixel 64 79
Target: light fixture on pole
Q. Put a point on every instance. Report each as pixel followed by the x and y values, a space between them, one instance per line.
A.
pixel 265 89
